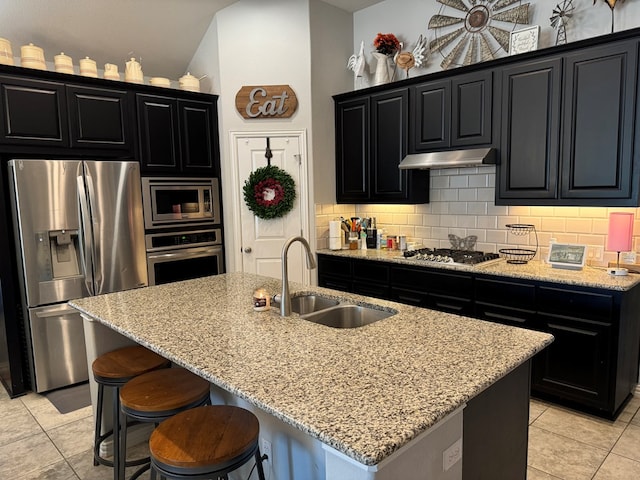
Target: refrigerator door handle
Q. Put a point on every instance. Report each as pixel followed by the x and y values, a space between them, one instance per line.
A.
pixel 56 313
pixel 85 234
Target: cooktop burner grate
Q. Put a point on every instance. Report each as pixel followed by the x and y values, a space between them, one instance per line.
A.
pixel 449 255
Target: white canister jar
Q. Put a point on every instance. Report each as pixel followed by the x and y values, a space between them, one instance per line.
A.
pixel 133 72
pixel 63 63
pixel 88 67
pixel 6 54
pixel 32 56
pixel 160 82
pixel 189 82
pixel 111 71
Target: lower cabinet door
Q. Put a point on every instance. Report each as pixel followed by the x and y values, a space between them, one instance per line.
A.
pixel 576 366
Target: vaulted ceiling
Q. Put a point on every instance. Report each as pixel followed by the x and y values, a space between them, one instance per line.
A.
pixel 164 34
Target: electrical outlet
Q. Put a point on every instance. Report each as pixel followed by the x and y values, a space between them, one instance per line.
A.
pixel 265 449
pixel 452 455
pixel 598 253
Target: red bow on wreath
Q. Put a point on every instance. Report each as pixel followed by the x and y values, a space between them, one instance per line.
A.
pixel 269 192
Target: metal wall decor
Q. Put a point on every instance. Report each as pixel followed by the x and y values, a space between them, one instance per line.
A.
pixel 475 30
pixel 559 19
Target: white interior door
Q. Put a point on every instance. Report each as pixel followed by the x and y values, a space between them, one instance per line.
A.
pixel 262 240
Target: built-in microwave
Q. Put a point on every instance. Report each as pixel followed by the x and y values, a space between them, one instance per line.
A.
pixel 170 202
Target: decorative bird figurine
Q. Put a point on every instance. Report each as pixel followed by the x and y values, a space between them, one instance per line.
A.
pixel 408 60
pixel 357 64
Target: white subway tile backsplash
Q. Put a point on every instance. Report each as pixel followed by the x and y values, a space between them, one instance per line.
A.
pixel 478 181
pixel 459 181
pixel 579 225
pixel 462 203
pixel 468 195
pixel 449 195
pixel 439 182
pixel 477 208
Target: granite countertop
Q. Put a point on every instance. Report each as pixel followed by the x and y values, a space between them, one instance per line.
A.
pixel 595 277
pixel 365 391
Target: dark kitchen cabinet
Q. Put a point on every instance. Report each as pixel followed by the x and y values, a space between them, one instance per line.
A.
pixel 567 135
pixel 455 112
pixel 371 141
pixel 100 118
pixel 34 113
pixel 578 365
pixel 530 135
pixel 592 364
pixel 177 136
pixel 599 110
pixel 507 302
pixel 439 290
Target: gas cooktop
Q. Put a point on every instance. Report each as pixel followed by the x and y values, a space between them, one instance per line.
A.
pixel 449 255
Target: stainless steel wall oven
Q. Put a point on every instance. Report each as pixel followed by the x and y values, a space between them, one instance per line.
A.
pixel 176 256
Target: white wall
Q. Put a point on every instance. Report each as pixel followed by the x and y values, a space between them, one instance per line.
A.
pixel 407 19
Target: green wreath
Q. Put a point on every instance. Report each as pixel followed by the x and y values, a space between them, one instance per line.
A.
pixel 269 192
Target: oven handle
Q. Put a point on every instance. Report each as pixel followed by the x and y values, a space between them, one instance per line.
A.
pixel 185 253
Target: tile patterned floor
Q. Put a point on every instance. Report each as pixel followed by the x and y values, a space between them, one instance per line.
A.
pixel 37 442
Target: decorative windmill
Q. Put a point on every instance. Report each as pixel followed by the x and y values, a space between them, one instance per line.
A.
pixel 561 15
pixel 357 64
pixel 407 60
pixel 477 29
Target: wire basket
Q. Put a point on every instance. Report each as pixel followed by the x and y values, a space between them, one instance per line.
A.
pixel 520 256
pixel 517 255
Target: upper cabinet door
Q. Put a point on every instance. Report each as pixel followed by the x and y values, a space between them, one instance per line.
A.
pixel 389 119
pixel 158 133
pixel 530 130
pixel 100 118
pixel 352 150
pixel 430 125
pixel 197 124
pixel 34 113
pixel 599 109
pixel 471 109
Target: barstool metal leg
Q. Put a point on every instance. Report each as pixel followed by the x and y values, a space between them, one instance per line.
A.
pixel 98 426
pixel 116 434
pixel 259 465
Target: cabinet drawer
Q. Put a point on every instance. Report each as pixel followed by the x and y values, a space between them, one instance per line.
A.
pixel 409 297
pixel 458 285
pixel 335 283
pixel 450 304
pixel 371 289
pixel 334 266
pixel 516 317
pixel 374 272
pixel 505 293
pixel 574 303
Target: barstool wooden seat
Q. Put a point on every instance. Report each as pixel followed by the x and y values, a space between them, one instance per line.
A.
pixel 205 442
pixel 114 369
pixel 156 396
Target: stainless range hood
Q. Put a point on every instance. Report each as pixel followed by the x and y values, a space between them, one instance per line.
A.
pixel 452 159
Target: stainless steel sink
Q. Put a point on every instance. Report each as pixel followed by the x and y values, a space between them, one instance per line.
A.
pixel 347 316
pixel 311 303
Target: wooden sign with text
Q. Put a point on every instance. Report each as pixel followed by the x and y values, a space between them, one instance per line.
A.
pixel 271 101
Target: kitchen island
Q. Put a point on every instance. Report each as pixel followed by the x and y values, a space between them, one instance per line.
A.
pixel 361 402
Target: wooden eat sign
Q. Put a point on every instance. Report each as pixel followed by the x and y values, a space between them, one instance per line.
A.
pixel 271 101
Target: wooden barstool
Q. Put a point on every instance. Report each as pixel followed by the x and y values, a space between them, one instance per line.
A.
pixel 205 442
pixel 155 396
pixel 114 369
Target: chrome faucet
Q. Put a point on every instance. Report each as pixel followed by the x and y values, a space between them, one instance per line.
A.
pixel 285 300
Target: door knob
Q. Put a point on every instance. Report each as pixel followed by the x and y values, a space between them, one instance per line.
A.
pixel 247 250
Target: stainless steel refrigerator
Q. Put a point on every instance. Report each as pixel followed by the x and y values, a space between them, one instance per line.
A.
pixel 79 232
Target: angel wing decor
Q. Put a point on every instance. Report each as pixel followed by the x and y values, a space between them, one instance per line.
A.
pixel 475 30
pixel 612 5
pixel 561 15
pixel 357 64
pixel 466 243
pixel 407 60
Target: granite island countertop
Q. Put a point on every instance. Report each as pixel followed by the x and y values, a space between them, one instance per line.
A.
pixel 595 277
pixel 365 391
